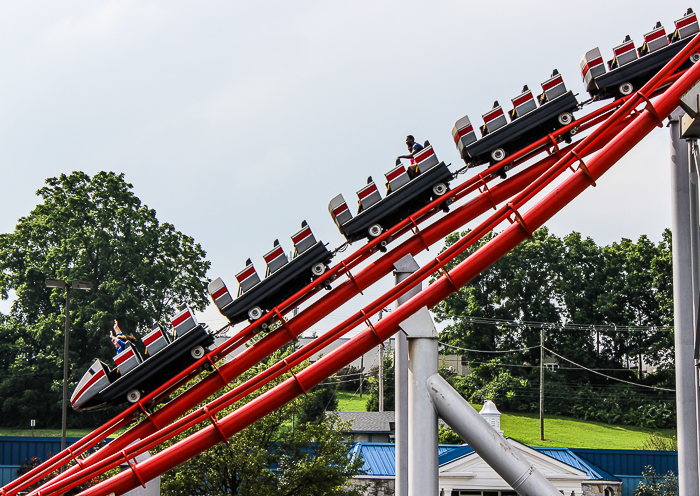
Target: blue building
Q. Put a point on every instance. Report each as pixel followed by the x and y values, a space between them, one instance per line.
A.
pixel 16 450
pixel 581 472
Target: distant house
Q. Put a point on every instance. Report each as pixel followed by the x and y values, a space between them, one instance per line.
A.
pixel 459 364
pixel 369 427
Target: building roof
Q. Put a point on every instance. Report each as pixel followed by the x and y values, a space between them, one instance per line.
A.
pixel 622 462
pixel 368 422
pixel 379 458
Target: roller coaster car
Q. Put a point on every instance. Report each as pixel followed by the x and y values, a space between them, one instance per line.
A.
pixel 631 68
pixel 133 376
pixel 528 123
pixel 404 197
pixel 284 277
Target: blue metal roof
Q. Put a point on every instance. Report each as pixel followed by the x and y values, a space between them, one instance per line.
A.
pixel 453 454
pixel 379 458
pixel 629 462
pixel 567 456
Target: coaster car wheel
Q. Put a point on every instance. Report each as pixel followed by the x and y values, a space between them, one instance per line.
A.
pixel 498 154
pixel 254 313
pixel 440 189
pixel 318 269
pixel 133 396
pixel 197 352
pixel 375 230
pixel 694 58
pixel 626 89
pixel 565 118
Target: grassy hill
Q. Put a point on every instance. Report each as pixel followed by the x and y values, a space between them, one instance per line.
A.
pixel 559 431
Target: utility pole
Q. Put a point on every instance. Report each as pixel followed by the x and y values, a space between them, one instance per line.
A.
pixel 362 373
pixel 85 286
pixel 541 383
pixel 381 370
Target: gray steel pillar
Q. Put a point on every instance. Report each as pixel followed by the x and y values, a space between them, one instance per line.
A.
pixel 487 442
pixel 694 162
pixel 403 268
pixel 423 477
pixel 683 315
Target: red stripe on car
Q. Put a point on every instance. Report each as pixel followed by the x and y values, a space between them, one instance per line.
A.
pixel 462 132
pixel 522 99
pixel 305 233
pixel 591 64
pixel 276 253
pixel 90 383
pixel 654 35
pixel 552 83
pixel 219 293
pixel 627 47
pixel 429 152
pixel 493 115
pixel 245 273
pixel 395 173
pixel 179 320
pixel 686 22
pixel 339 210
pixel 152 338
pixel 364 193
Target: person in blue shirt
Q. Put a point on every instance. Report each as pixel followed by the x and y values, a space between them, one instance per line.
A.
pixel 413 148
pixel 119 339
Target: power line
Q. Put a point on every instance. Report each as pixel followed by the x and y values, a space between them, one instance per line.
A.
pixel 489 351
pixel 607 376
pixel 569 326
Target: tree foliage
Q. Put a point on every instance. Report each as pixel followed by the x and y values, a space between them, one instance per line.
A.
pixel 277 455
pixel 372 403
pixel 93 229
pixel 656 484
pixel 552 283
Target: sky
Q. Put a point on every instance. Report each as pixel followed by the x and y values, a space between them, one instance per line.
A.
pixel 237 120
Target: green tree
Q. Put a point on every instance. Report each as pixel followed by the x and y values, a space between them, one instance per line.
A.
pixel 95 229
pixel 372 403
pixel 552 283
pixel 273 456
pixel 657 484
pixel 320 400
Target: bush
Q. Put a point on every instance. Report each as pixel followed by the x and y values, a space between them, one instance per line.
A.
pixel 656 484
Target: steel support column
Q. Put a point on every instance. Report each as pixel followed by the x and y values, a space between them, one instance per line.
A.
pixel 683 314
pixel 403 268
pixel 487 442
pixel 422 419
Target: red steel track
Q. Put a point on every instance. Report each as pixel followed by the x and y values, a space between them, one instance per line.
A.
pixel 616 133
